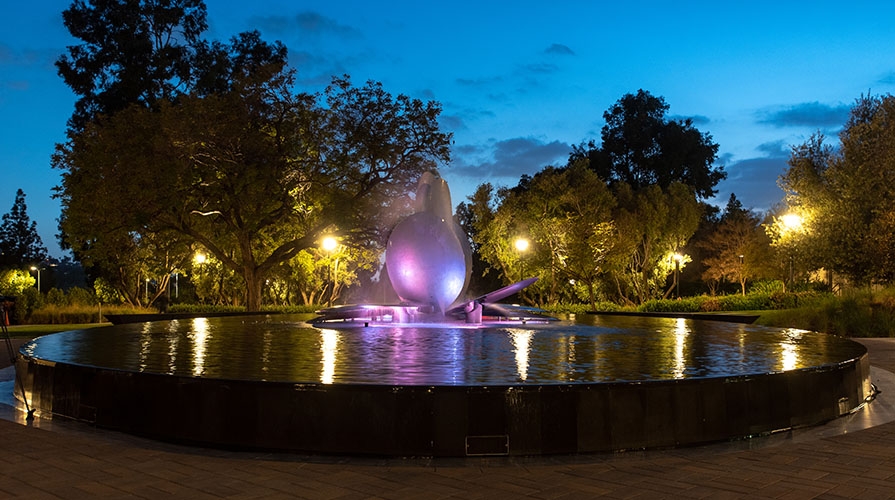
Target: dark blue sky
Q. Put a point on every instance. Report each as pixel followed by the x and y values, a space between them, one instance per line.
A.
pixel 520 82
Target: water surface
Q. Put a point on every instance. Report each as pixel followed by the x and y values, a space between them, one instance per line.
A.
pixel 587 350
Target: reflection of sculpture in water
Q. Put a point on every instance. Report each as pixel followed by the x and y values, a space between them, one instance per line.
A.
pixel 428 261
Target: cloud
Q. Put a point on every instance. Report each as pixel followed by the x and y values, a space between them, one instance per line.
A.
pixel 506 161
pixel 808 114
pixel 308 23
pixel 775 149
pixel 15 85
pixel 540 68
pixel 451 123
pixel 559 49
pixel 754 181
pixel 888 78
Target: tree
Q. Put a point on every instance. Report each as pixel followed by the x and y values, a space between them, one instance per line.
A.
pixel 846 197
pixel 564 213
pixel 641 147
pixel 254 176
pixel 20 245
pixel 653 224
pixel 734 246
pixel 133 52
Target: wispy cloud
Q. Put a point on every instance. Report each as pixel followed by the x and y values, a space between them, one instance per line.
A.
pixel 754 181
pixel 507 160
pixel 808 114
pixel 559 49
pixel 308 23
pixel 775 149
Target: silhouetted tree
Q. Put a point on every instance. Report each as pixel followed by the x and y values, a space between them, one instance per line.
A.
pixel 20 245
pixel 641 147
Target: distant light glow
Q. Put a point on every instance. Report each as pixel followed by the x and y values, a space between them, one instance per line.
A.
pixel 521 244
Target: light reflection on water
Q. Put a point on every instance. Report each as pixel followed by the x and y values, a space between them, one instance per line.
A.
pixel 591 349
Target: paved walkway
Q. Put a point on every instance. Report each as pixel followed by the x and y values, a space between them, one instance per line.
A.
pixel 70 460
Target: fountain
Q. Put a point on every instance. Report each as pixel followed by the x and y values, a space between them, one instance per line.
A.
pixel 463 377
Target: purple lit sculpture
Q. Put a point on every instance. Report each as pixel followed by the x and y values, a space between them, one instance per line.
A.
pixel 429 262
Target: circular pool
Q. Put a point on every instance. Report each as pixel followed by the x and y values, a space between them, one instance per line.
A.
pixel 597 384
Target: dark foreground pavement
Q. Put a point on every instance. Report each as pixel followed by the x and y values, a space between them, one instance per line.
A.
pixel 53 459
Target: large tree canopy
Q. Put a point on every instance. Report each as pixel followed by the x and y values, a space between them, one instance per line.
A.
pixel 176 141
pixel 254 176
pixel 641 147
pixel 846 196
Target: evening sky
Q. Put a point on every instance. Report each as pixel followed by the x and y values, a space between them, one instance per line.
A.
pixel 520 82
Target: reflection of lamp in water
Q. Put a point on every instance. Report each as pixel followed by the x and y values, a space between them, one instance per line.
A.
pixel 522 345
pixel 329 341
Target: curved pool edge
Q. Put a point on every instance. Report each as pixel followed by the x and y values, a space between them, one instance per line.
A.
pixel 443 421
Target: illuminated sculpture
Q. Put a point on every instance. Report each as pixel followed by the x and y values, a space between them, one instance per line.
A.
pixel 428 261
pixel 428 257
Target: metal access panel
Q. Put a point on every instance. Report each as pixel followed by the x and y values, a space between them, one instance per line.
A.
pixel 477 446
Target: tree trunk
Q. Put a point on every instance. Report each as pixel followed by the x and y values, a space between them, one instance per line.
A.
pixel 253 281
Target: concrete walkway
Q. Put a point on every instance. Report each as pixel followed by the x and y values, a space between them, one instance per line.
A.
pixel 53 459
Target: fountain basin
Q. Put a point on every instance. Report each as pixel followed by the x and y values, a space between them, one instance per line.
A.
pixel 277 383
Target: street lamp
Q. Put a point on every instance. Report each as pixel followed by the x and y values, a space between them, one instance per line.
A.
pixel 677 271
pixel 791 222
pixel 329 245
pixel 521 245
pixel 35 268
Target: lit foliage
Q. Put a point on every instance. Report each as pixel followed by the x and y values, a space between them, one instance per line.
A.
pixel 565 214
pixel 13 282
pixel 652 225
pixel 847 196
pixel 735 246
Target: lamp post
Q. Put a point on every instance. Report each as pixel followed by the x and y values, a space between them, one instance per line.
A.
pixel 330 244
pixel 677 271
pixel 37 269
pixel 791 222
pixel 521 245
pixel 742 276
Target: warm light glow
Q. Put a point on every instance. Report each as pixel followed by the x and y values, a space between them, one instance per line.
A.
pixel 329 244
pixel 329 345
pixel 521 244
pixel 792 221
pixel 199 337
pixel 34 268
pixel 677 258
pixel 200 258
pixel 521 340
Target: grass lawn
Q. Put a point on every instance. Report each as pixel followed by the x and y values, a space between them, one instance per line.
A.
pixel 31 331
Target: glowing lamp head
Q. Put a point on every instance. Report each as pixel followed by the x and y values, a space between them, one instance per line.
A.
pixel 521 244
pixel 329 244
pixel 792 221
